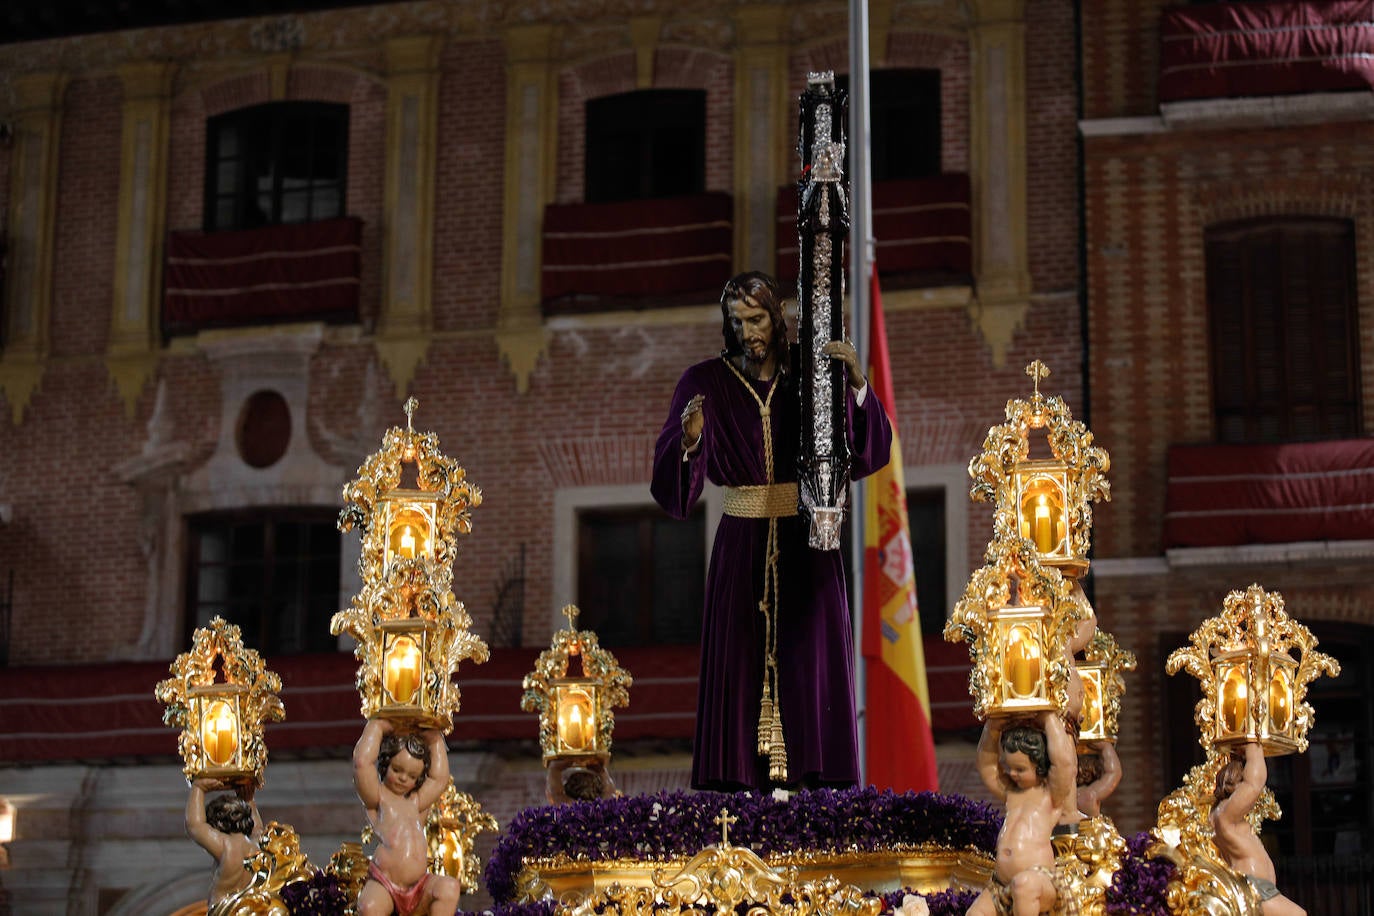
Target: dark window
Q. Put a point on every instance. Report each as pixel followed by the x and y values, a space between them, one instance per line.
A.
pixel 641 576
pixel 1285 363
pixel 926 522
pixel 904 122
pixel 278 163
pixel 646 144
pixel 274 574
pixel 1323 846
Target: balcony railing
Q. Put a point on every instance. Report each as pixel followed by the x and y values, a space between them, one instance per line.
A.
pixel 1224 50
pixel 1228 495
pixel 923 227
pixel 623 254
pixel 270 275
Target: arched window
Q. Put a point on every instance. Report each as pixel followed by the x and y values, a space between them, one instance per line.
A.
pixel 283 162
pixel 1285 357
pixel 646 144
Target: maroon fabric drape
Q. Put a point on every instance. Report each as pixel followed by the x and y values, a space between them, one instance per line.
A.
pixel 1261 494
pixel 84 712
pixel 299 271
pixel 638 248
pixel 922 225
pixel 1276 48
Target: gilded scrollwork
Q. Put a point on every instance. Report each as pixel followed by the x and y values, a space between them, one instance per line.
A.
pixel 452 827
pixel 1103 650
pixel 218 658
pixel 1253 621
pixel 278 863
pixel 598 665
pixel 400 587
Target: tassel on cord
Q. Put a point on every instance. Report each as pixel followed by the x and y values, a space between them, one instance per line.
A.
pixel 770 737
pixel 766 716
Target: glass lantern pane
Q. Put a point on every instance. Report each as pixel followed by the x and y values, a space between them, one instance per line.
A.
pixel 219 732
pixel 1235 700
pixel 576 720
pixel 1021 663
pixel 402 670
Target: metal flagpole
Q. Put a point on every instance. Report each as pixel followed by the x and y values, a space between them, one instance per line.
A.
pixel 861 257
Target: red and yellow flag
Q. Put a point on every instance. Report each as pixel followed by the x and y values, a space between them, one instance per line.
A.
pixel 899 747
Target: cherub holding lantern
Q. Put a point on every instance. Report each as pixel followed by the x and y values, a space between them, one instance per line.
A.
pixel 399 777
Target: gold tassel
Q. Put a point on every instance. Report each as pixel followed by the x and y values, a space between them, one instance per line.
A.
pixel 766 716
pixel 777 755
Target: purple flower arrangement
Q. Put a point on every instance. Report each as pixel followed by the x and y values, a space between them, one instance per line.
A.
pixel 1138 887
pixel 678 824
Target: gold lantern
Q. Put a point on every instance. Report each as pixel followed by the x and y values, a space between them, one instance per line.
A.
pixel 406 668
pixel 1103 687
pixel 1021 645
pixel 1254 690
pixel 411 631
pixel 1044 502
pixel 451 829
pixel 1042 490
pixel 1019 648
pixel 574 686
pixel 219 695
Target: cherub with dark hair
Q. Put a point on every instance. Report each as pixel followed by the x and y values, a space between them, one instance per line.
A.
pixel 228 828
pixel 1099 774
pixel 399 777
pixel 1238 789
pixel 1030 768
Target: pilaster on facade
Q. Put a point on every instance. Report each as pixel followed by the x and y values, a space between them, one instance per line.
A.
pixel 644 32
pixel 132 355
pixel 1001 266
pixel 761 141
pixel 408 244
pixel 32 223
pixel 531 147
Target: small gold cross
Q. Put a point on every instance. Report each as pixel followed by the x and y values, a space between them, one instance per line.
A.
pixel 570 611
pixel 409 408
pixel 725 820
pixel 1037 371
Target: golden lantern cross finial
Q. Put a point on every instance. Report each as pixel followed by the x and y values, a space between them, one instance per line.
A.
pixel 1253 688
pixel 1037 371
pixel 725 820
pixel 411 630
pixel 575 718
pixel 219 695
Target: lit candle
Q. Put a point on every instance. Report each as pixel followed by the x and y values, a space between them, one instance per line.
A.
pixel 574 723
pixel 1044 533
pixel 407 543
pixel 1022 663
pixel 403 670
pixel 1234 701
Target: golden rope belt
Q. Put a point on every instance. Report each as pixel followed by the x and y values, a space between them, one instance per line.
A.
pixel 770 500
pixel 770 739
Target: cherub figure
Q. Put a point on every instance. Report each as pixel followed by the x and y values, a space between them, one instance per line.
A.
pixel 399 777
pixel 228 827
pixel 1239 785
pixel 1099 774
pixel 1031 770
pixel 579 779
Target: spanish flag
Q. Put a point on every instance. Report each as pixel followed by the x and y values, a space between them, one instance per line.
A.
pixel 900 750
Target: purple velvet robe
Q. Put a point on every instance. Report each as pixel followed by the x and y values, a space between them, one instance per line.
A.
pixel 815 645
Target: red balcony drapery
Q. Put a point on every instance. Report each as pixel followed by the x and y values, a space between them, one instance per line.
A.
pixel 637 249
pixel 295 272
pixel 1256 49
pixel 923 227
pixel 1220 495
